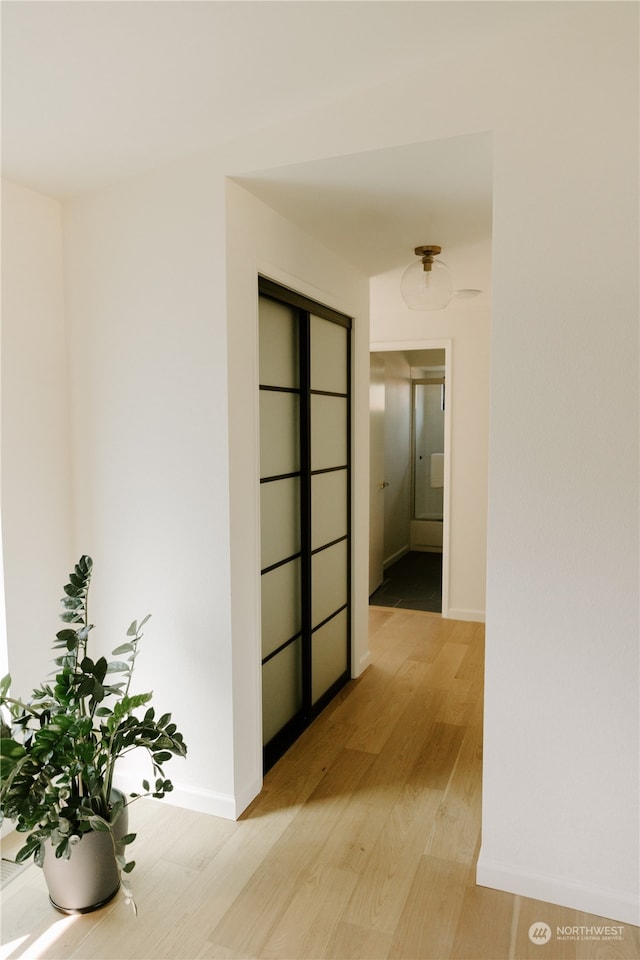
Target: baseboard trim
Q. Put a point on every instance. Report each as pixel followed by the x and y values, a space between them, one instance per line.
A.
pixel 363 663
pixel 395 556
pixel 600 901
pixel 244 797
pixel 459 613
pixel 194 798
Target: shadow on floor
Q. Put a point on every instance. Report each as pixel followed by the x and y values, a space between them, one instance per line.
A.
pixel 414 582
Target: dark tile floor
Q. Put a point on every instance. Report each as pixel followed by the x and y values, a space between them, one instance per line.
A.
pixel 413 582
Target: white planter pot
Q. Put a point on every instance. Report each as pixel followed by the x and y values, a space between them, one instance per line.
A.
pixel 90 878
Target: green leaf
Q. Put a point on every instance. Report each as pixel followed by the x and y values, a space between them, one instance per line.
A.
pixel 133 629
pixel 98 824
pixel 117 666
pixel 62 850
pixel 117 807
pixel 30 847
pixel 123 648
pixel 86 687
pixel 100 669
pixel 84 566
pixel 128 838
pixel 137 700
pixel 11 750
pixel 145 785
pixel 72 603
pixel 6 769
pixel 129 866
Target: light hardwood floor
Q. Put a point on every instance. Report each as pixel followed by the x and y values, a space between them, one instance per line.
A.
pixel 362 844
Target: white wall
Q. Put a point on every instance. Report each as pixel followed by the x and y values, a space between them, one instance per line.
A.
pixel 561 722
pixel 147 321
pixel 261 242
pixel 36 491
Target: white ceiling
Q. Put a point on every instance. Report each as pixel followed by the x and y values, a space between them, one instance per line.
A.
pixel 374 208
pixel 94 91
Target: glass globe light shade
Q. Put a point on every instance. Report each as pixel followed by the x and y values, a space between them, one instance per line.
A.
pixel 426 289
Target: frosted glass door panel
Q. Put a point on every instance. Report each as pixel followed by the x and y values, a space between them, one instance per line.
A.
pixel 279 433
pixel 328 356
pixel 281 619
pixel 305 489
pixel 280 520
pixel 281 689
pixel 328 432
pixel 279 361
pixel 329 654
pixel 328 507
pixel 328 582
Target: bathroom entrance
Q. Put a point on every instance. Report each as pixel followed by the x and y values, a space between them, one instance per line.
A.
pixel 409 477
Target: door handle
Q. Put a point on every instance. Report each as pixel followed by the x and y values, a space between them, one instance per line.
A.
pixel 385 483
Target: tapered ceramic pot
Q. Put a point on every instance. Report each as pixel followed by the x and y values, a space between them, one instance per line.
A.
pixel 90 878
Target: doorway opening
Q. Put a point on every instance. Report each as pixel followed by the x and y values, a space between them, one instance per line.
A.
pixel 409 473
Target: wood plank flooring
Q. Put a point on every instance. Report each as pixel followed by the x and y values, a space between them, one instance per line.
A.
pixel 362 845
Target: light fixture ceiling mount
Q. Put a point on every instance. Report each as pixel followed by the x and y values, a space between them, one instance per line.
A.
pixel 427 254
pixel 426 284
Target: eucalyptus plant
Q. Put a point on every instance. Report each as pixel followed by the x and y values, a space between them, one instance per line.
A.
pixel 59 748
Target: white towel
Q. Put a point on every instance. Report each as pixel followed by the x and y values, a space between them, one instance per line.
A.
pixel 437 469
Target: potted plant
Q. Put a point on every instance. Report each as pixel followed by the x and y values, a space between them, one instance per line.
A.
pixel 58 752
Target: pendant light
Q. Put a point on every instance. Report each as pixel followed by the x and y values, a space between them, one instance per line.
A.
pixel 426 284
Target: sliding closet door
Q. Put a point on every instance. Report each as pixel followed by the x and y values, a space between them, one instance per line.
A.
pixel 329 503
pixel 305 511
pixel 280 560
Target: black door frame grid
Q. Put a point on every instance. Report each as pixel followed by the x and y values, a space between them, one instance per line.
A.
pixel 304 308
